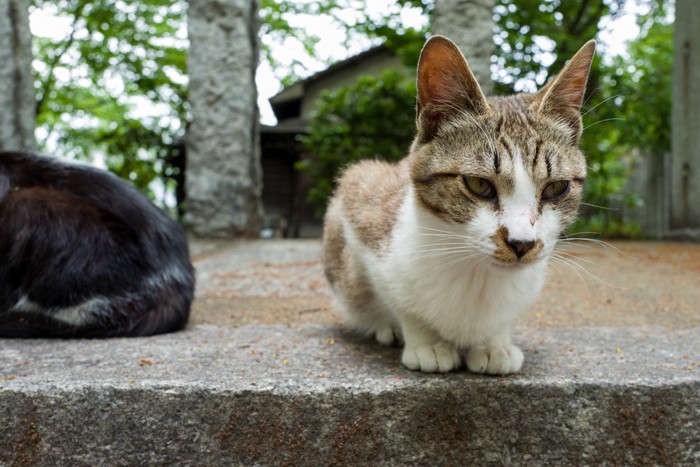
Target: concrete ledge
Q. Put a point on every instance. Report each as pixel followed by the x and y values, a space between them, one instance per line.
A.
pixel 313 395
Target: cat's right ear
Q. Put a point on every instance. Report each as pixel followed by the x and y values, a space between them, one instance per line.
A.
pixel 446 87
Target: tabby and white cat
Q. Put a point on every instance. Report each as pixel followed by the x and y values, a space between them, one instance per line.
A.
pixel 444 249
pixel 84 254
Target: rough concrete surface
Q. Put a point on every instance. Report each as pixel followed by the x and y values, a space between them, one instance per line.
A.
pixel 241 388
pixel 590 284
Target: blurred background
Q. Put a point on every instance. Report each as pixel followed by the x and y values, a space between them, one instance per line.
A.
pixel 336 83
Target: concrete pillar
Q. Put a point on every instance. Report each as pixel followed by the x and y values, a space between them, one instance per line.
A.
pixel 470 25
pixel 223 177
pixel 685 120
pixel 17 99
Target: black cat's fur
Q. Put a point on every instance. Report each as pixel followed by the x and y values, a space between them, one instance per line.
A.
pixel 84 254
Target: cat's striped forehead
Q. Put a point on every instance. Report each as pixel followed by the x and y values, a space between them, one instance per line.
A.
pixel 490 145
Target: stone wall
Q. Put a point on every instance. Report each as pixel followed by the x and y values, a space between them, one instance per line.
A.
pixel 469 23
pixel 17 99
pixel 223 151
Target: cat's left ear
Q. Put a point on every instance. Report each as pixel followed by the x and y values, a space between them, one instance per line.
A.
pixel 562 97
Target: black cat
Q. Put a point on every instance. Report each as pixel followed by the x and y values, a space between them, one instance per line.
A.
pixel 84 254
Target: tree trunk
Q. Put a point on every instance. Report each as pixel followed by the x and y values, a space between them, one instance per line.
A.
pixel 469 23
pixel 223 177
pixel 685 120
pixel 17 99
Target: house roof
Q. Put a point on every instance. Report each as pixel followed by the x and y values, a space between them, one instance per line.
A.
pixel 297 125
pixel 296 90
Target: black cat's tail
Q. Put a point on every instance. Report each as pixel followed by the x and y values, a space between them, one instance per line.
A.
pixel 170 314
pixel 156 311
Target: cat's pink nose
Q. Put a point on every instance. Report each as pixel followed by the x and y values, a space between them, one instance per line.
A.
pixel 520 248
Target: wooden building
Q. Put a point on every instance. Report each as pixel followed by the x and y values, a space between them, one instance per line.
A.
pixel 285 188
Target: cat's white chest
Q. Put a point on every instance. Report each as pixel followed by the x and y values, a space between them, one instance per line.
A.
pixel 448 285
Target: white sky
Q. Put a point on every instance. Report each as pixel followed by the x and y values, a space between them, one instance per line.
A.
pixel 613 38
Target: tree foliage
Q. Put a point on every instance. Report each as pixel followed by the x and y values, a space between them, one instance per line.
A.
pixel 641 88
pixel 116 57
pixel 536 37
pixel 372 119
pixel 115 85
pixel 628 99
pixel 280 23
pixel 630 114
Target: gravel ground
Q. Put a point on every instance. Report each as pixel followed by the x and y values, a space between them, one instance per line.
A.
pixel 608 284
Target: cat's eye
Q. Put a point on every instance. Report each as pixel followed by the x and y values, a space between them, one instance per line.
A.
pixel 479 186
pixel 555 190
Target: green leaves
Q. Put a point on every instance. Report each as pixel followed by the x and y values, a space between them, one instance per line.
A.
pixel 372 119
pixel 629 114
pixel 115 85
pixel 536 37
pixel 628 99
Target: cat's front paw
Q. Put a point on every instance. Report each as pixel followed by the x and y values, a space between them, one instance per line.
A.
pixel 385 335
pixel 436 358
pixel 497 360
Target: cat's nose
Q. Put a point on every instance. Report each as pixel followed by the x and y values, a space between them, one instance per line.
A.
pixel 520 248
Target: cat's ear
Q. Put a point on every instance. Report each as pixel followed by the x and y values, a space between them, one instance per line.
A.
pixel 562 97
pixel 446 86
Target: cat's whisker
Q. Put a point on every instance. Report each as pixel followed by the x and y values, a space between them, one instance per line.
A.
pixel 428 240
pixel 598 242
pixel 437 236
pixel 576 257
pixel 458 256
pixel 575 265
pixel 443 246
pixel 569 267
pixel 590 95
pixel 442 235
pixel 450 249
pixel 571 235
pixel 600 207
pixel 601 103
pixel 572 244
pixel 431 231
pixel 379 195
pixel 450 241
pixel 580 271
pixel 459 260
pixel 484 258
pixel 445 233
pixel 580 236
pixel 602 121
pixel 556 261
pixel 446 255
